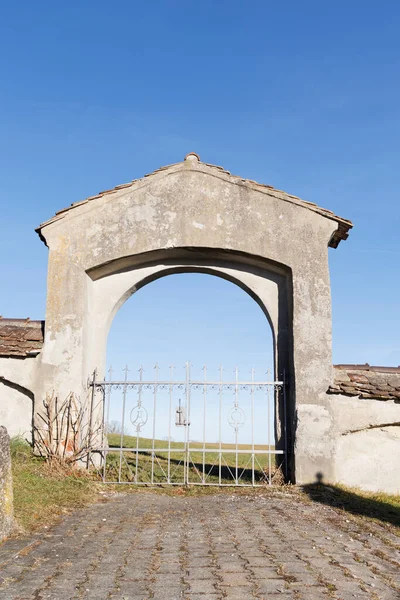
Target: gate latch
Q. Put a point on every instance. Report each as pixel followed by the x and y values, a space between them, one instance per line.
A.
pixel 180 416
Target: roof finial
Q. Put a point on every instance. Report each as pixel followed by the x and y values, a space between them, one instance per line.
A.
pixel 193 157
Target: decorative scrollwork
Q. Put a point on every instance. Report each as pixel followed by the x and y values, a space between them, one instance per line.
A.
pixel 98 388
pixel 177 385
pixel 139 416
pixel 236 417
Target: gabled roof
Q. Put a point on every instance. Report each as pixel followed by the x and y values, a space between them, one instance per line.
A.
pixel 20 337
pixel 192 161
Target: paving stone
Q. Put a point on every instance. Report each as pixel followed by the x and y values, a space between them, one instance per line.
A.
pixel 154 546
pixel 172 590
pixel 203 586
pixel 300 578
pixel 235 579
pixel 166 580
pixel 266 586
pixel 265 572
pixel 260 561
pixel 199 573
pixel 282 595
pixel 203 561
pixel 240 593
pixel 203 597
pixel 230 567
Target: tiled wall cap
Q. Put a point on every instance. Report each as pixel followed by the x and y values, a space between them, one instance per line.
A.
pixel 192 156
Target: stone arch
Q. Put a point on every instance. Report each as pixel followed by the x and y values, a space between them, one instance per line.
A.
pixel 267 284
pixel 244 271
pixel 194 268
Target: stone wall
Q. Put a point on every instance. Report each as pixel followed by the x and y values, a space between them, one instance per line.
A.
pixel 6 490
pixel 21 341
pixel 366 408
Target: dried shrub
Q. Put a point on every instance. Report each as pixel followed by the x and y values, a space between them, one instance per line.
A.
pixel 63 432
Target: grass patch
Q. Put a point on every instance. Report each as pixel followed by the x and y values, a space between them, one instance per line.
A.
pixel 377 506
pixel 129 441
pixel 203 467
pixel 41 492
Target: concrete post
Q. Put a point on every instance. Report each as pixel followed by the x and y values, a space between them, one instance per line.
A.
pixel 6 489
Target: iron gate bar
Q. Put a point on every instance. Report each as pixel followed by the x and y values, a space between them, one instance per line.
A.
pixel 187 400
pixel 252 429
pixel 236 418
pixel 123 419
pixel 183 382
pixel 169 424
pixel 269 421
pixel 154 421
pixel 204 421
pixel 195 450
pixel 220 426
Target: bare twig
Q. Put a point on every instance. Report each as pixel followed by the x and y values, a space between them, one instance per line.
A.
pixel 63 436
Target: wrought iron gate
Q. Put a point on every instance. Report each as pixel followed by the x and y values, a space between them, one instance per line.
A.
pixel 191 431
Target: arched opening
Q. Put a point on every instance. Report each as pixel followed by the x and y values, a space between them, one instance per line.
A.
pixel 192 315
pixel 192 383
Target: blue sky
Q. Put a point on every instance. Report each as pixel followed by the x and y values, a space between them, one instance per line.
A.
pixel 304 96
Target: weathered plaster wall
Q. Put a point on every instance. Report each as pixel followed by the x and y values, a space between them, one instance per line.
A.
pixel 369 460
pixel 16 410
pixel 17 387
pixel 367 443
pixel 22 371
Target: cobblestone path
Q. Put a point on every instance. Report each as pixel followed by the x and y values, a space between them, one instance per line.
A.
pixel 147 545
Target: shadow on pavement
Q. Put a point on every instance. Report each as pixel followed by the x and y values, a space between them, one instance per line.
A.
pixel 352 502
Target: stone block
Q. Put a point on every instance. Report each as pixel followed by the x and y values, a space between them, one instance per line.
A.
pixel 6 489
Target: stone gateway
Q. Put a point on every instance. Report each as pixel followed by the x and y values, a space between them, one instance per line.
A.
pixel 197 217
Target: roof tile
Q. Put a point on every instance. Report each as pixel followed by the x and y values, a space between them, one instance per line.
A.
pixel 366 382
pixel 20 337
